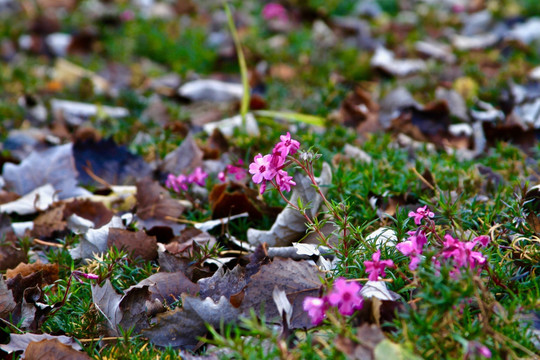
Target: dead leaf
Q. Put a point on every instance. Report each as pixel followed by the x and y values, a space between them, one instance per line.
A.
pixel 90 210
pixel 359 111
pixel 135 243
pixel 110 162
pixel 49 271
pixel 169 286
pixel 7 302
pixel 297 278
pixel 154 202
pixel 127 310
pixel 183 327
pixel 231 199
pixel 94 241
pixel 55 166
pixel 20 342
pixel 52 350
pixel 187 156
pixel 50 222
pixel 10 254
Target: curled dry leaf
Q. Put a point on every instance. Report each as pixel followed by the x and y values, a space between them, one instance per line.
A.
pixel 90 210
pixel 290 225
pixel 50 222
pixel 169 286
pixel 186 156
pixel 36 200
pixel 7 302
pixel 127 310
pixel 49 271
pixel 10 254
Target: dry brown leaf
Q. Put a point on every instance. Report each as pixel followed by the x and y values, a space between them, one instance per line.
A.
pixel 90 210
pixel 19 342
pixel 52 350
pixel 169 286
pixel 49 271
pixel 7 303
pixel 135 243
pixel 153 201
pixel 50 222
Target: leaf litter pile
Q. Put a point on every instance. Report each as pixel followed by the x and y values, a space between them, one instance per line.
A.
pixel 289 179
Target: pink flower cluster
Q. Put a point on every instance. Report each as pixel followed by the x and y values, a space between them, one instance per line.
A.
pixel 460 253
pixel 237 170
pixel 181 182
pixel 270 167
pixel 345 296
pixel 376 267
pixel 421 213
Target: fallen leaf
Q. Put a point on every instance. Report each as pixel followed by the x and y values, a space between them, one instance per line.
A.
pixel 126 311
pixel 169 286
pixel 36 200
pixel 211 90
pixel 385 60
pixel 90 210
pixel 110 162
pixel 7 302
pixel 10 254
pixel 94 241
pixel 228 125
pixel 185 157
pixel 363 346
pixel 231 199
pixel 154 202
pixel 49 272
pixel 50 222
pixel 297 278
pixel 182 327
pixel 135 243
pixel 19 342
pixel 52 350
pixel 55 166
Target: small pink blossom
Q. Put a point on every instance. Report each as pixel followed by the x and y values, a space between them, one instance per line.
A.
pixel 346 297
pixel 421 213
pixel 77 274
pixel 177 183
pixel 287 145
pixel 316 308
pixel 413 248
pixel 198 176
pixel 462 252
pixel 221 176
pixel 284 181
pixel 376 267
pixel 483 240
pixel 476 348
pixel 261 168
pixel 274 11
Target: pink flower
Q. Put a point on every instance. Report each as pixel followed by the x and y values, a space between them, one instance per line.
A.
pixel 261 169
pixel 422 212
pixel 376 267
pixel 462 252
pixel 177 183
pixel 274 11
pixel 483 240
pixel 413 248
pixel 287 145
pixel 198 176
pixel 239 173
pixel 476 348
pixel 77 274
pixel 221 176
pixel 346 297
pixel 284 181
pixel 316 308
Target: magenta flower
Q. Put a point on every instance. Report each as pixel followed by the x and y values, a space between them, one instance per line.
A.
pixel 462 252
pixel 198 176
pixel 483 240
pixel 261 169
pixel 376 267
pixel 274 11
pixel 346 297
pixel 221 176
pixel 77 275
pixel 287 145
pixel 284 181
pixel 413 248
pixel 177 183
pixel 421 212
pixel 316 308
